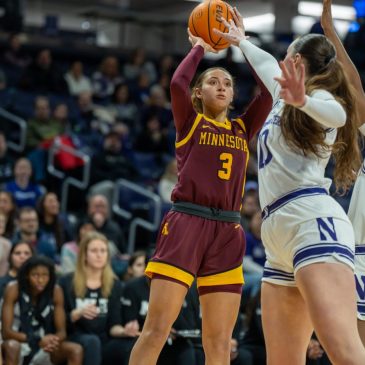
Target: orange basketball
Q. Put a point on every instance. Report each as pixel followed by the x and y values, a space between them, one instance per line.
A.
pixel 205 17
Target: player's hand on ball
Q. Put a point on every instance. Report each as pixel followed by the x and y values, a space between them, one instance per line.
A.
pixel 199 41
pixel 236 30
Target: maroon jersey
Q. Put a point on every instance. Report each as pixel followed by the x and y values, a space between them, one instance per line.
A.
pixel 211 156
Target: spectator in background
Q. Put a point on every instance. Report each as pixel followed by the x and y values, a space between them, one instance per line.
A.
pixel 42 128
pixel 168 181
pixel 84 122
pixel 316 354
pixel 158 105
pixel 14 54
pixel 106 79
pixel 111 163
pixel 166 65
pixel 122 108
pixel 98 205
pixel 250 204
pixel 93 304
pixel 93 120
pixel 76 81
pixel 52 223
pixel 254 259
pixel 28 231
pixel 41 332
pixel 136 265
pixel 6 161
pixel 5 246
pixel 138 64
pixel 153 138
pixel 141 90
pixel 164 82
pixel 60 115
pixel 8 207
pixel 41 131
pixel 252 166
pixel 42 76
pixel 253 339
pixel 19 253
pixel 25 193
pixel 70 250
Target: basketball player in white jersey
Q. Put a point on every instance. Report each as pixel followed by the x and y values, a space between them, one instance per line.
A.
pixel 309 241
pixel 357 206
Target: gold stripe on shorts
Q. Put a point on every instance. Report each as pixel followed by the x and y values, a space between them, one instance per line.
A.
pixel 234 276
pixel 161 268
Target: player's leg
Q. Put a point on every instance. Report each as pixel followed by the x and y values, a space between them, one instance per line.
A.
pixel 286 323
pixel 11 350
pixel 69 352
pixel 329 292
pixel 166 298
pixel 219 315
pixel 360 288
pixel 361 328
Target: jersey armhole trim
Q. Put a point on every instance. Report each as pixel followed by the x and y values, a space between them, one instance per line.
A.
pixel 241 123
pixel 186 139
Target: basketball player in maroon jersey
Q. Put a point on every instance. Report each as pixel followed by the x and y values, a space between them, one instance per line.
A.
pixel 201 236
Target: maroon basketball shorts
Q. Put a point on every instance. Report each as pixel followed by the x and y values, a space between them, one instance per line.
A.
pixel 190 247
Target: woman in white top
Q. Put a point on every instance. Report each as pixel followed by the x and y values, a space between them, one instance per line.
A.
pixel 357 206
pixel 309 241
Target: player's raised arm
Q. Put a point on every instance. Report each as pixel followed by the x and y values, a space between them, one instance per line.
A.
pixel 265 65
pixel 182 106
pixel 343 57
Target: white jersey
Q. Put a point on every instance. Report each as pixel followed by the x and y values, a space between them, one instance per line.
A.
pixel 281 169
pixel 356 211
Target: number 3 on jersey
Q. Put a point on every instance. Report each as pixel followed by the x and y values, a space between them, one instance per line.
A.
pixel 225 172
pixel 265 155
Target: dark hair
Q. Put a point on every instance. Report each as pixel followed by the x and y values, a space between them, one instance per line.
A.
pixel 57 224
pixel 305 135
pixel 197 103
pixel 14 246
pixel 26 210
pixel 10 221
pixel 135 255
pixel 80 225
pixel 116 90
pixel 31 263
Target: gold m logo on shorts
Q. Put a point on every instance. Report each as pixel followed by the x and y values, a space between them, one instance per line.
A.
pixel 165 230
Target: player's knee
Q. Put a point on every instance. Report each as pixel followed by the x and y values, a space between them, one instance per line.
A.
pixel 157 333
pixel 11 349
pixel 219 344
pixel 344 355
pixel 159 325
pixel 76 352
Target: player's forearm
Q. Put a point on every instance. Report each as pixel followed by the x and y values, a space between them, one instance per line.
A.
pixel 9 334
pixel 76 314
pixel 186 70
pixel 180 93
pixel 264 64
pixel 327 112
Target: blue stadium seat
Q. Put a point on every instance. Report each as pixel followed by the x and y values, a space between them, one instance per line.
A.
pixel 147 165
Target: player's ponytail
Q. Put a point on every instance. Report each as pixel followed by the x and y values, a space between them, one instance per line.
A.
pixel 304 134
